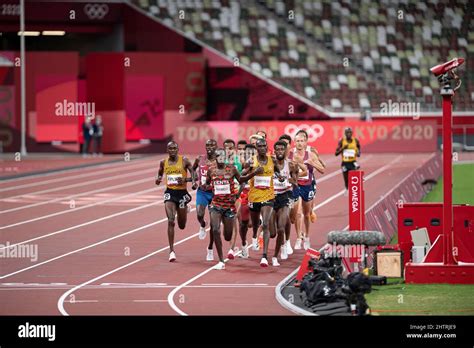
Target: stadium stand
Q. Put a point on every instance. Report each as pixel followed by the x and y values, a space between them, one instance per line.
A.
pixel 344 56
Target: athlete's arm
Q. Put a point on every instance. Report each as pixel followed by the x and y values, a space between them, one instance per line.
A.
pixel 339 148
pixel 161 170
pixel 196 163
pixel 358 148
pixel 276 170
pixel 313 160
pixel 313 150
pixel 189 167
pixel 302 169
pixel 294 169
pixel 209 176
pixel 248 175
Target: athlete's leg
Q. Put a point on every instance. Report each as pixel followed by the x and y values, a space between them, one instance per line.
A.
pixel 345 174
pixel 211 236
pixel 266 212
pixel 200 211
pixel 170 208
pixel 215 231
pixel 182 211
pixel 281 217
pixel 228 223
pixel 255 217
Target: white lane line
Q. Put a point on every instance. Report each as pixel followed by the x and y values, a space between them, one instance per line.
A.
pixel 79 184
pixel 232 285
pixel 61 299
pixel 91 245
pixel 67 170
pixel 67 293
pixel 174 291
pixel 150 300
pixel 72 210
pixel 86 247
pixel 80 176
pixel 83 224
pixel 83 193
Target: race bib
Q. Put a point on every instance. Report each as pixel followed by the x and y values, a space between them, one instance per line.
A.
pixel 349 153
pixel 203 180
pixel 306 177
pixel 172 179
pixel 262 181
pixel 278 185
pixel 222 189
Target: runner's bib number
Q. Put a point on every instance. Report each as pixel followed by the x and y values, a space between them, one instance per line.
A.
pixel 280 186
pixel 262 181
pixel 306 177
pixel 222 189
pixel 203 179
pixel 349 153
pixel 173 179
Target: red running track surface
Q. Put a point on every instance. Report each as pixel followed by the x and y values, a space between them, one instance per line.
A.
pixel 102 243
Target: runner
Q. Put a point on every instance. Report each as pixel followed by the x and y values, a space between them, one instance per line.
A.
pixel 176 196
pixel 244 214
pixel 233 158
pixel 306 184
pixel 223 203
pixel 283 198
pixel 295 213
pixel 261 195
pixel 350 149
pixel 204 193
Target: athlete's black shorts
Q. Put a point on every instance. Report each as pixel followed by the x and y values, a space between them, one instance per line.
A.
pixel 282 200
pixel 228 213
pixel 180 197
pixel 346 166
pixel 256 206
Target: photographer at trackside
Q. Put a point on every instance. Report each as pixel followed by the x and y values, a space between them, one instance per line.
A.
pixel 349 147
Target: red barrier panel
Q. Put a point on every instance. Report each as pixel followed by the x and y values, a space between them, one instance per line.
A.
pixel 378 136
pixel 310 253
pixel 382 215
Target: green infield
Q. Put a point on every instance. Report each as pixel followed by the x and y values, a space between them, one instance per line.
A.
pixel 398 298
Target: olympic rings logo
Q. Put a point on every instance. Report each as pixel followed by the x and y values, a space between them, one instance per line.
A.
pixel 314 131
pixel 96 11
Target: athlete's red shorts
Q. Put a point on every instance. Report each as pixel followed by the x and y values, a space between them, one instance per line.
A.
pixel 244 207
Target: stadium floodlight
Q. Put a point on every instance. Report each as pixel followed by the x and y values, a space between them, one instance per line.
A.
pixel 53 32
pixel 28 33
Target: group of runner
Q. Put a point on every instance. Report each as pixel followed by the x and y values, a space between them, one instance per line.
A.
pixel 244 186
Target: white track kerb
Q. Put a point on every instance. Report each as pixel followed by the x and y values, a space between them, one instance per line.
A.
pixel 171 295
pixel 281 300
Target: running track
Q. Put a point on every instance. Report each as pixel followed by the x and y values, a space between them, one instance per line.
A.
pixel 102 244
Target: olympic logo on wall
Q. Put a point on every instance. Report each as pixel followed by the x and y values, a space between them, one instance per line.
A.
pixel 314 131
pixel 96 11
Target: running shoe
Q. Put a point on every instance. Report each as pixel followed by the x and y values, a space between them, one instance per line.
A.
pixel 230 254
pixel 275 262
pixel 245 252
pixel 202 233
pixel 289 249
pixel 264 262
pixel 219 266
pixel 172 256
pixel 210 255
pixel 307 243
pixel 283 253
pixel 255 245
pixel 298 244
